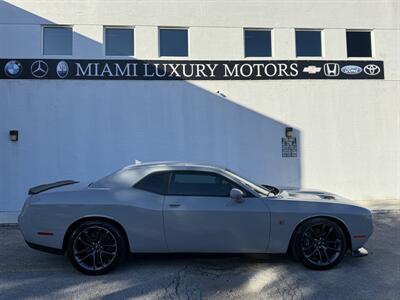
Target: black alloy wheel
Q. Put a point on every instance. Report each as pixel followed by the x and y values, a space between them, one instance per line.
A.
pixel 320 244
pixel 96 247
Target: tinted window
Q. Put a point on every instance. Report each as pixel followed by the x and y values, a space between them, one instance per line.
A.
pixel 57 41
pixel 257 43
pixel 358 44
pixel 200 184
pixel 155 183
pixel 119 41
pixel 308 43
pixel 173 42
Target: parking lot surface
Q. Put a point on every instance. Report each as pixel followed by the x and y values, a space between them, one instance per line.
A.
pixel 30 274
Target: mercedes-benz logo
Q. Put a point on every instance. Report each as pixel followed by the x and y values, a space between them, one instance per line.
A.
pixel 39 69
pixel 372 69
pixel 13 68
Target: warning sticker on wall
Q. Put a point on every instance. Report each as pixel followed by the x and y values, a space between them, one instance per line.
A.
pixel 289 147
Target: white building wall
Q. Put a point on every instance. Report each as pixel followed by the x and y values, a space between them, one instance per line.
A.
pixel 348 130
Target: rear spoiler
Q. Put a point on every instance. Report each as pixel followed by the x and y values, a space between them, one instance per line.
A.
pixel 44 187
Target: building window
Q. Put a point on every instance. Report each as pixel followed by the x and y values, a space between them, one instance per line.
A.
pixel 358 43
pixel 257 43
pixel 308 43
pixel 173 41
pixel 119 41
pixel 57 40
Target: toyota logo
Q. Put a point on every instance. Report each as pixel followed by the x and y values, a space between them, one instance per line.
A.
pixel 13 68
pixel 39 69
pixel 372 69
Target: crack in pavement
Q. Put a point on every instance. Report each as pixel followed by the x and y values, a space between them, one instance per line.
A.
pixel 288 290
pixel 176 284
pixel 182 288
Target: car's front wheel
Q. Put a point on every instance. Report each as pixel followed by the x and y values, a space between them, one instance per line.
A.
pixel 319 243
pixel 96 247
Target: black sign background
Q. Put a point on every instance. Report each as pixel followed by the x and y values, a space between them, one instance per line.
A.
pixel 192 69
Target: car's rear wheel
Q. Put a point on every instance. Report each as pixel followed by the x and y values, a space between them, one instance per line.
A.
pixel 96 247
pixel 319 243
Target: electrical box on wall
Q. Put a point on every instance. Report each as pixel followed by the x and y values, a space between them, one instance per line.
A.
pixel 13 134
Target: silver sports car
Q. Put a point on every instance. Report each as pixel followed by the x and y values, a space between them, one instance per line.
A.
pixel 187 207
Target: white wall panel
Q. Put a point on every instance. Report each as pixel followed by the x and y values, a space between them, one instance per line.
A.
pixel 349 131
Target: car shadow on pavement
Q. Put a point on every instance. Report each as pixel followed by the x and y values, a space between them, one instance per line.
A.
pixel 196 276
pixel 26 273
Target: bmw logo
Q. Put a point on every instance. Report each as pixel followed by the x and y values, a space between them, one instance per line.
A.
pixel 62 69
pixel 13 68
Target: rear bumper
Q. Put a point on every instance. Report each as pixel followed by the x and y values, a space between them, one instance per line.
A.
pixel 34 221
pixel 45 248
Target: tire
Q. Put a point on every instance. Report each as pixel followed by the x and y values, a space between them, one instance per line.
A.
pixel 319 243
pixel 96 247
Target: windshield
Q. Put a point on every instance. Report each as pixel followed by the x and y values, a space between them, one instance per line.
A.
pixel 263 191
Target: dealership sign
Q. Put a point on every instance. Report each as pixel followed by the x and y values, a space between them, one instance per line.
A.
pixel 188 69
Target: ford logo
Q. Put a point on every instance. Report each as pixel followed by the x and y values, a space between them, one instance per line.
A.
pixel 351 69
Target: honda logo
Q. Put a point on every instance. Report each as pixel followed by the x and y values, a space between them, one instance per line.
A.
pixel 331 69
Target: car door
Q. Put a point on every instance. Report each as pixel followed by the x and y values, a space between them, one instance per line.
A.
pixel 199 215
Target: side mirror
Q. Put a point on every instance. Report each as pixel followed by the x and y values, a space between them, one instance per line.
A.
pixel 236 195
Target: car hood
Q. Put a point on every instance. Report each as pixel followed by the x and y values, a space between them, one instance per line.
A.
pixel 311 195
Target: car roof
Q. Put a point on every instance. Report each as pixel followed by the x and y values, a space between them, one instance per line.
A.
pixel 172 165
pixel 130 174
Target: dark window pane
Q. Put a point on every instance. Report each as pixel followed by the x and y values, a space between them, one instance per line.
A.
pixel 173 42
pixel 119 42
pixel 57 41
pixel 358 44
pixel 257 43
pixel 200 184
pixel 308 43
pixel 194 178
pixel 155 183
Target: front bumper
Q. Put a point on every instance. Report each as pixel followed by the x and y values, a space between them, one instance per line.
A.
pixel 361 231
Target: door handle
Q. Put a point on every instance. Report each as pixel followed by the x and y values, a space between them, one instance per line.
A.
pixel 174 205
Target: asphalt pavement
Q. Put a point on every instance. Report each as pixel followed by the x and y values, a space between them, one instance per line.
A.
pixel 30 274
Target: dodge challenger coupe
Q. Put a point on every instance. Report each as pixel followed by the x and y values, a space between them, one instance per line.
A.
pixel 186 207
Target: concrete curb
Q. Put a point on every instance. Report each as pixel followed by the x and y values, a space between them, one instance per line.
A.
pixel 380 205
pixel 8 225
